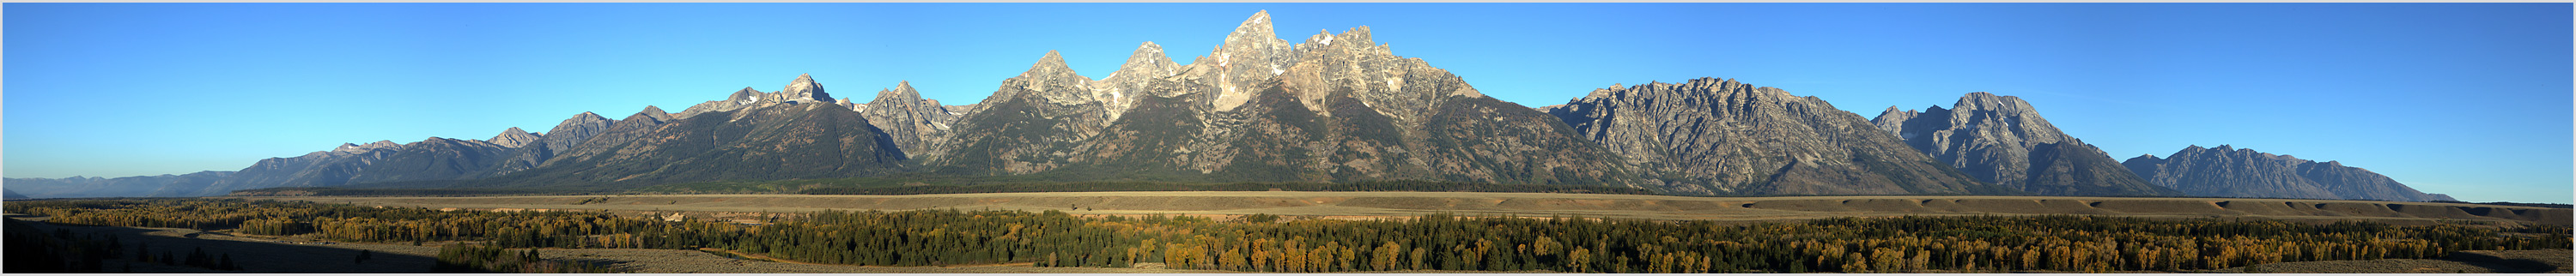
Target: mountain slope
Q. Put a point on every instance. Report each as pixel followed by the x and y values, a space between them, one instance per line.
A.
pixel 1337 108
pixel 1028 125
pixel 1716 136
pixel 757 141
pixel 320 168
pixel 2230 172
pixel 2003 140
pixel 433 159
pixel 914 123
pixel 565 135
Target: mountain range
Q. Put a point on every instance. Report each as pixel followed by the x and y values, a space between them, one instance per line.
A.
pixel 1335 107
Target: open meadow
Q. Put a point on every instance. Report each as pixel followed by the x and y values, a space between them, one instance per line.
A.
pixel 1372 205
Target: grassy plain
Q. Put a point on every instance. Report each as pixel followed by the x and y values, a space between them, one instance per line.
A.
pixel 1371 205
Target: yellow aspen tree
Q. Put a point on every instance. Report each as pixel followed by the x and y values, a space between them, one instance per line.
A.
pixel 1579 261
pixel 1386 256
pixel 1922 259
pixel 1853 262
pixel 1420 258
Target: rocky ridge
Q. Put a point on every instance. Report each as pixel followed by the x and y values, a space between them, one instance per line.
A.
pixel 2227 171
pixel 914 123
pixel 434 158
pixel 1028 125
pixel 2003 140
pixel 1260 108
pixel 803 90
pixel 514 138
pixel 758 141
pixel 1716 136
pixel 571 132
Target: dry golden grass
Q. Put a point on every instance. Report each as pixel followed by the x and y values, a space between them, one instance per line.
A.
pixel 1366 205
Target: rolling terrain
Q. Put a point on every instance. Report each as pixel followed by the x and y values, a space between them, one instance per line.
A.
pixel 1369 205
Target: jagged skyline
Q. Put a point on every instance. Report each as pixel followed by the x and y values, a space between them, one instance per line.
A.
pixel 2077 113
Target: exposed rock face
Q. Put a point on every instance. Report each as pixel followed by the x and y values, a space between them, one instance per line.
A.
pixel 1339 108
pixel 572 131
pixel 514 138
pixel 914 123
pixel 1132 81
pixel 2230 172
pixel 357 148
pixel 1724 137
pixel 803 90
pixel 132 186
pixel 1250 56
pixel 1028 125
pixel 2002 140
pixel 618 132
pixel 1347 108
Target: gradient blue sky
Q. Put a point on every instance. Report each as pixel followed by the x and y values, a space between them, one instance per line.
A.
pixel 2471 100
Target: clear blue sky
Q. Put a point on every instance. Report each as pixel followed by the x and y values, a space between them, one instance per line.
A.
pixel 2467 99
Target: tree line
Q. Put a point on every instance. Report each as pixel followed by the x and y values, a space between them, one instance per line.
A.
pixel 1430 242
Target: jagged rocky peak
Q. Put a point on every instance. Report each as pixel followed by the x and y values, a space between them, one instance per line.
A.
pixel 1050 70
pixel 2003 140
pixel 1990 101
pixel 585 116
pixel 1049 80
pixel 514 138
pixel 1147 62
pixel 1133 80
pixel 901 90
pixel 804 89
pixel 1253 32
pixel 901 98
pixel 1250 56
pixel 745 96
pixel 652 112
pixel 915 124
pixel 1721 136
pixel 573 131
pixel 356 148
pixel 1893 120
pixel 1350 62
pixel 1357 38
pixel 1052 62
pixel 2000 119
